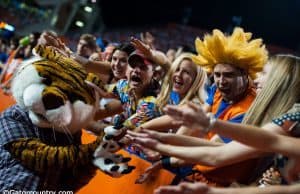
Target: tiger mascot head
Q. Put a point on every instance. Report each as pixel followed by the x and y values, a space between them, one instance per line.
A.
pixel 55 91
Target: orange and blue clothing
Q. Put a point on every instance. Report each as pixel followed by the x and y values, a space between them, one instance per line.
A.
pixel 232 112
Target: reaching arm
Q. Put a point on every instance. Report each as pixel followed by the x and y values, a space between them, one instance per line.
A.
pixel 218 156
pixel 210 156
pixel 270 138
pixel 261 139
pixel 110 109
pixel 157 56
pixel 173 139
pixel 102 67
pixel 280 189
pixel 201 188
pixel 162 123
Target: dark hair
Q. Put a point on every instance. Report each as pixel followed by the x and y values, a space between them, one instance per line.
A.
pixel 36 36
pixel 125 47
pixel 90 39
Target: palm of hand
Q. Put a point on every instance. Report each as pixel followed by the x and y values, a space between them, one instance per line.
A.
pixel 194 118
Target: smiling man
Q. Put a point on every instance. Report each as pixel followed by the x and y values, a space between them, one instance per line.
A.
pixel 234 60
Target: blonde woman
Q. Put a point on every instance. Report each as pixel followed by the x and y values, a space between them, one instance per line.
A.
pixel 185 81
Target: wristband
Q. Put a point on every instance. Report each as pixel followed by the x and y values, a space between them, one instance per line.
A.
pixel 212 121
pixel 166 162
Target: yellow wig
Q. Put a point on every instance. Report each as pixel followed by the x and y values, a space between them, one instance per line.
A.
pixel 236 50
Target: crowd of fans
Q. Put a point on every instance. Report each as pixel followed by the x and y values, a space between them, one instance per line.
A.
pixel 198 111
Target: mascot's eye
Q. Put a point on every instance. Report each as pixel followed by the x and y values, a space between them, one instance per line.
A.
pixel 47 81
pixel 52 101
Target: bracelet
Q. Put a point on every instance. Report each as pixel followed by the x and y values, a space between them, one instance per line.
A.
pixel 212 121
pixel 166 162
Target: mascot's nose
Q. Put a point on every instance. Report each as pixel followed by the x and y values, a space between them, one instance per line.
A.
pixel 52 101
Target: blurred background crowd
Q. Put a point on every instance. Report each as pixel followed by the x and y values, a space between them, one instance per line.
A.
pixel 173 23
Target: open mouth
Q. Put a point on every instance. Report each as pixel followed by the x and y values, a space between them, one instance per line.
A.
pixel 224 90
pixel 118 72
pixel 178 83
pixel 135 78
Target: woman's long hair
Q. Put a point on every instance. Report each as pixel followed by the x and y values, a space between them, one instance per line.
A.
pixel 280 92
pixel 196 90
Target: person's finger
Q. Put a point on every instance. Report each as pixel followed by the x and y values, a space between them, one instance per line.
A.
pixel 149 36
pixel 149 173
pixel 146 142
pixel 131 138
pixel 173 111
pixel 177 123
pixel 135 134
pixel 100 91
pixel 152 134
pixel 133 41
pixel 168 190
pixel 151 155
pixel 142 36
pixel 141 141
pixel 141 46
pixel 50 40
pixel 138 147
pixel 147 131
pixel 142 178
pixel 193 106
pixel 267 181
pixel 136 41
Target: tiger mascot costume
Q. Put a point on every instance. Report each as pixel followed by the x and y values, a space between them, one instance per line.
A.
pixel 40 138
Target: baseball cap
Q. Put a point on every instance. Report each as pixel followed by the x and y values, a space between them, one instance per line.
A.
pixel 137 57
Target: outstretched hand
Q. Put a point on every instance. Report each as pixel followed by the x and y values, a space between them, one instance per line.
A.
pixel 190 188
pixel 141 46
pixel 148 39
pixel 149 173
pixel 191 115
pixel 146 139
pixel 48 39
pixel 98 91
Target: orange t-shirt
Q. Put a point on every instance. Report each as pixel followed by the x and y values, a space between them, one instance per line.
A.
pixel 231 112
